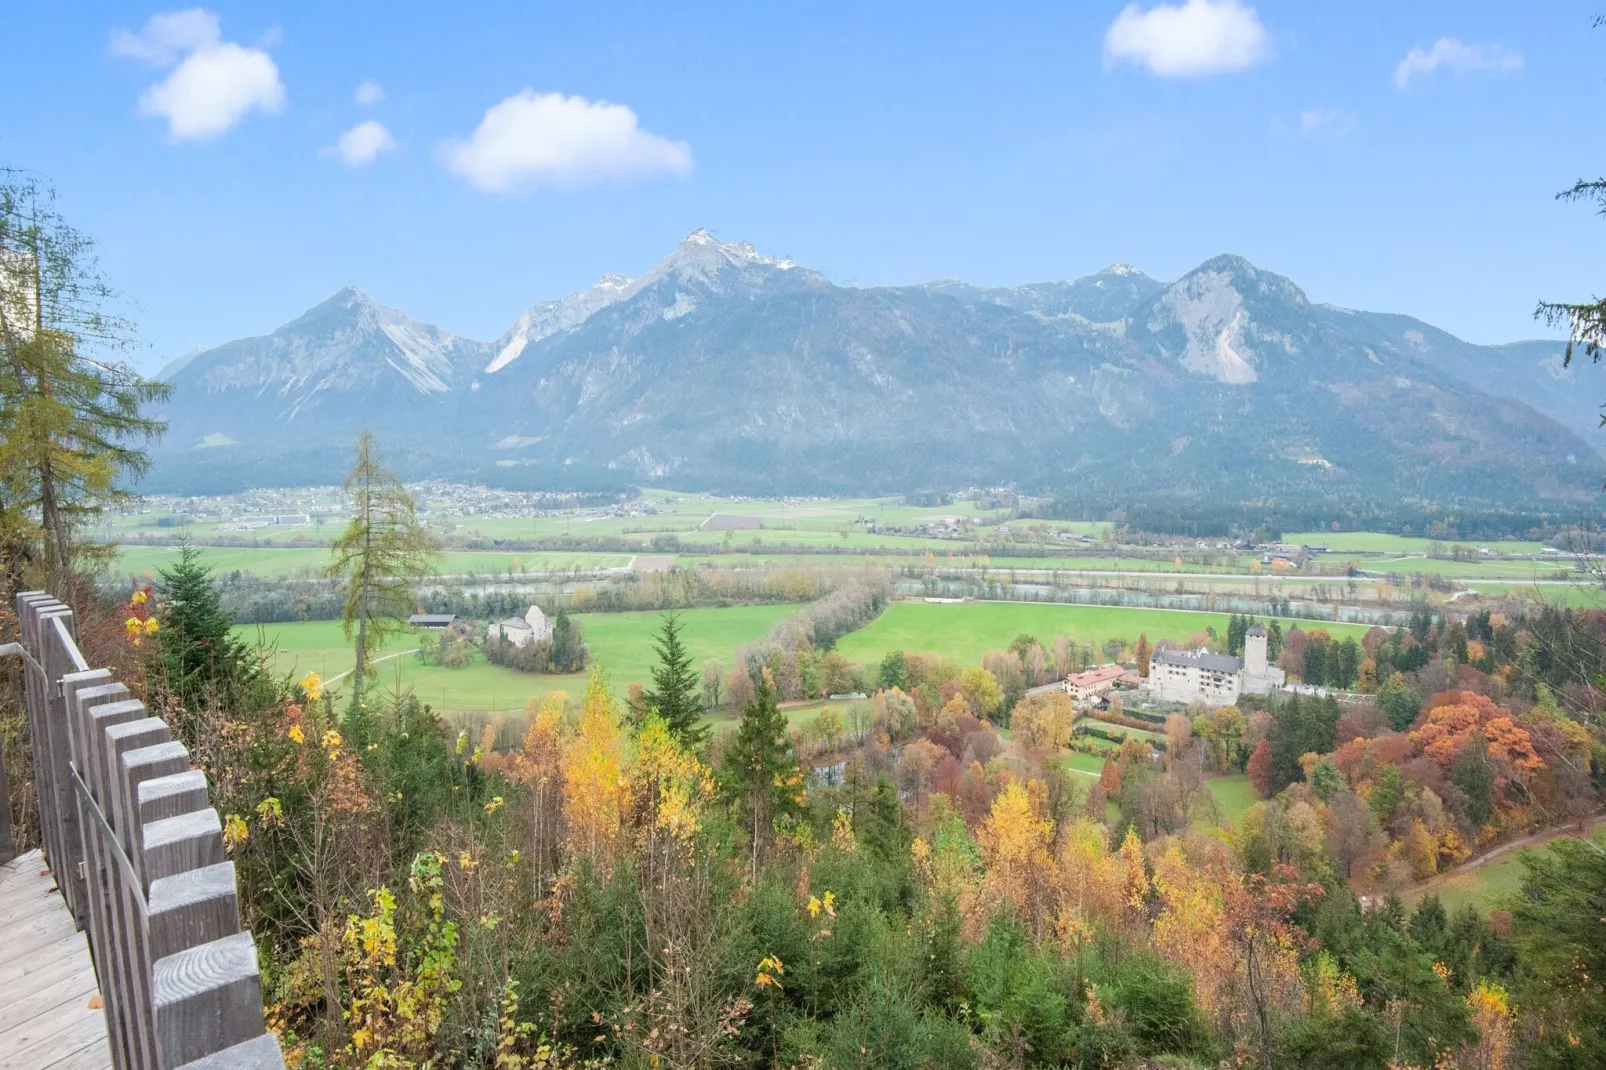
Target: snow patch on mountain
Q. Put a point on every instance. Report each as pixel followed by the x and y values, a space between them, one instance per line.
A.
pixel 550 317
pixel 720 266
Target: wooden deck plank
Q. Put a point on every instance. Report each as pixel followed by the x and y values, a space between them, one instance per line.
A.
pixel 46 978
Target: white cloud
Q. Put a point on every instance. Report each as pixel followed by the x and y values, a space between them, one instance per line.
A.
pixel 1195 39
pixel 1327 123
pixel 1461 59
pixel 533 139
pixel 362 144
pixel 370 93
pixel 168 35
pixel 215 84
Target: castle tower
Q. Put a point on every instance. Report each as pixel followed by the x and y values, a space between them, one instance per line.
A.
pixel 1255 651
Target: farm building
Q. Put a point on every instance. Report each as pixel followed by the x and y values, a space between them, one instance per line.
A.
pixel 432 622
pixel 1084 687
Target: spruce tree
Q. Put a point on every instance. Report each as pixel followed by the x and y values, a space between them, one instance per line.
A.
pixel 760 773
pixel 198 648
pixel 674 686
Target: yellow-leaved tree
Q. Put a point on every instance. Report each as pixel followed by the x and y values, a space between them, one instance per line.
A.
pixel 596 789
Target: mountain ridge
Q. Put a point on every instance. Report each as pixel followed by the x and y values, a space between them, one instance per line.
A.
pixel 723 366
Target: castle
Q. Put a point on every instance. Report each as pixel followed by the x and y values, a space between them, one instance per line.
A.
pixel 533 627
pixel 1214 679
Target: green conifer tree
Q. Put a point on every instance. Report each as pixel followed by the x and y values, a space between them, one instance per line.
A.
pixel 198 648
pixel 760 773
pixel 674 686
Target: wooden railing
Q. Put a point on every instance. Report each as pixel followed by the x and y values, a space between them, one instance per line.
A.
pixel 137 850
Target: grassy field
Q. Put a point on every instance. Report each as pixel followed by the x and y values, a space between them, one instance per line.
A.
pixel 1381 543
pixel 1486 885
pixel 1469 570
pixel 1091 764
pixel 1124 730
pixel 1233 796
pixel 1481 887
pixel 622 643
pixel 1578 596
pixel 966 632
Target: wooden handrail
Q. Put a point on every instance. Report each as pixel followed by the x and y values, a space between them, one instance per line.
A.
pixel 136 848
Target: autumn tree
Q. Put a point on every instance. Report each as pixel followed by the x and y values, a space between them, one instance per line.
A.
pixel 982 691
pixel 1143 654
pixel 596 793
pixel 1260 769
pixel 1016 846
pixel 1045 721
pixel 72 420
pixel 380 559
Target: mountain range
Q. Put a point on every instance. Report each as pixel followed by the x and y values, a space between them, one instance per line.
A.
pixel 724 368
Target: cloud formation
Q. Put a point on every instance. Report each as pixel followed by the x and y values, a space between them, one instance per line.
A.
pixel 362 144
pixel 1194 40
pixel 370 93
pixel 1461 59
pixel 1326 123
pixel 547 139
pixel 215 84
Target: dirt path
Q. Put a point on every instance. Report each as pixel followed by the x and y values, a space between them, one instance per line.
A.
pixel 1533 839
pixel 376 661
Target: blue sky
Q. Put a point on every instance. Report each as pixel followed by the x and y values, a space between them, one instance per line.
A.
pixel 883 143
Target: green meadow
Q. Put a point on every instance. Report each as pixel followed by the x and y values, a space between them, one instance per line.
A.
pixel 621 643
pixel 1382 543
pixel 964 632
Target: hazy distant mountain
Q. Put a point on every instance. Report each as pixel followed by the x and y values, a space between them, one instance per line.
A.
pixel 726 368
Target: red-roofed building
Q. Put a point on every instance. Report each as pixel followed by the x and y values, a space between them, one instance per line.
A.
pixel 1089 685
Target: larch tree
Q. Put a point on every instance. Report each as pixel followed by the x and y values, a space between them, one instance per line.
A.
pixel 674 686
pixel 72 420
pixel 380 559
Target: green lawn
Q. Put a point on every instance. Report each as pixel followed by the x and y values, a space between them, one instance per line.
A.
pixel 622 643
pixel 1233 796
pixel 1123 730
pixel 1480 887
pixel 967 631
pixel 1083 763
pixel 1382 543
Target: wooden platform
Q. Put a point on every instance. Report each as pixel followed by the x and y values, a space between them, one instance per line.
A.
pixel 46 979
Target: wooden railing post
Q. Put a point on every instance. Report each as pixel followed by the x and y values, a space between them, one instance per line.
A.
pixel 8 849
pixel 177 975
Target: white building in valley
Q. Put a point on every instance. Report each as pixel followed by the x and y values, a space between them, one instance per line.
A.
pixel 1214 679
pixel 533 627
